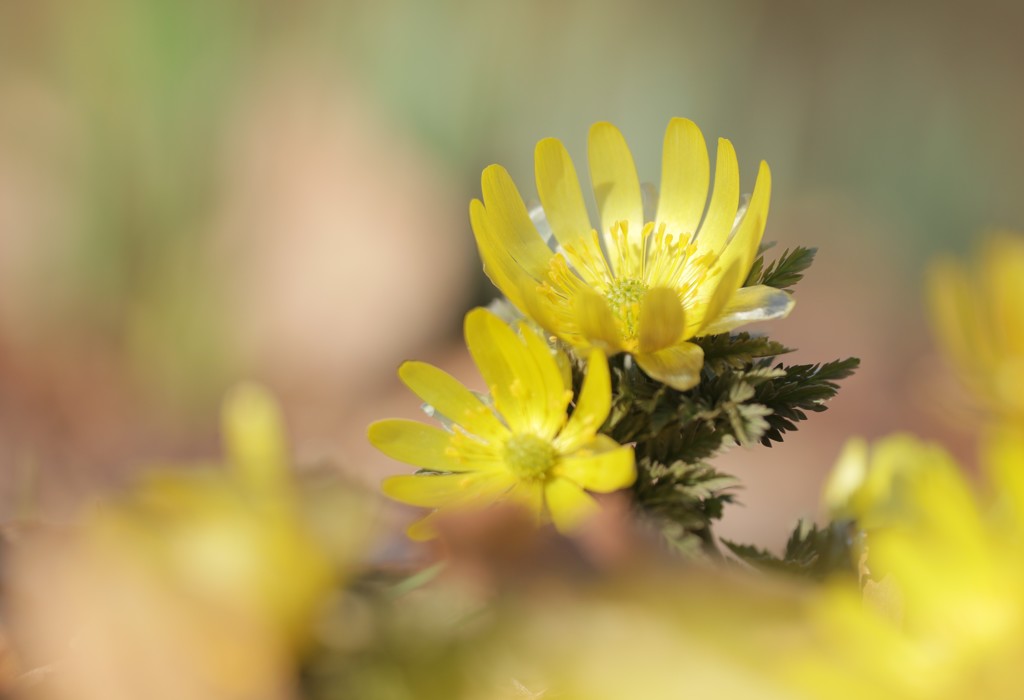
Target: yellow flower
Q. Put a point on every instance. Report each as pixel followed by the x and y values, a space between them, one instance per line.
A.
pixel 636 284
pixel 979 318
pixel 953 559
pixel 198 583
pixel 873 485
pixel 524 449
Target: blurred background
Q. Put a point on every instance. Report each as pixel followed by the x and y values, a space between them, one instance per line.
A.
pixel 194 192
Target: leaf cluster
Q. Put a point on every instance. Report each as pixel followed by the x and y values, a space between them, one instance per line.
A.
pixel 810 552
pixel 681 500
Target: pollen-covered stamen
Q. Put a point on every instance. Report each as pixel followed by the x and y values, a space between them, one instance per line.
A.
pixel 528 456
pixel 624 297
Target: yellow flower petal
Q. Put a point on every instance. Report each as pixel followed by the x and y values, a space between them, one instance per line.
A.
pixel 750 304
pixel 501 268
pixel 559 190
pixel 414 443
pixel 613 175
pixel 592 408
pixel 552 384
pixel 520 382
pixel 661 320
pixel 742 248
pixel 952 318
pixel 424 529
pixel 1003 461
pixel 725 289
pixel 568 504
pixel 678 366
pixel 602 466
pixel 1002 286
pixel 685 175
pixel 597 323
pixel 507 213
pixel 434 490
pixel 452 400
pixel 725 200
pixel 530 495
pixel 255 439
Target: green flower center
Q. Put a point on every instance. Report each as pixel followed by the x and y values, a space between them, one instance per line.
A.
pixel 624 296
pixel 528 456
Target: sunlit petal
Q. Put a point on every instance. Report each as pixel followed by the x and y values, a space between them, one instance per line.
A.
pixel 750 304
pixel 568 504
pixel 661 320
pixel 678 366
pixel 614 178
pixel 559 190
pixel 685 174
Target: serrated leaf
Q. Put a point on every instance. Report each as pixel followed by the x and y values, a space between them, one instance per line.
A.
pixel 736 350
pixel 783 273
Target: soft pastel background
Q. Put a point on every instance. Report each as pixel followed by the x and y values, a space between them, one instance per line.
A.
pixel 195 192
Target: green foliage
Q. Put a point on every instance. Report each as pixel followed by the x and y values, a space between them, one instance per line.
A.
pixel 783 273
pixel 811 552
pixel 736 350
pixel 682 499
pixel 801 389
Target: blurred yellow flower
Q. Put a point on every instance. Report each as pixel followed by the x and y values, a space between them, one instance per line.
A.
pixel 978 316
pixel 954 560
pixel 638 284
pixel 522 449
pixel 873 485
pixel 199 582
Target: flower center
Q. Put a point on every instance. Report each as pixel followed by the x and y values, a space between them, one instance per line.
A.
pixel 624 296
pixel 528 456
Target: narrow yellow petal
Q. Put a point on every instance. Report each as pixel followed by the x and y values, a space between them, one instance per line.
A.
pixel 725 200
pixel 597 323
pixel 438 490
pixel 415 443
pixel 559 190
pixel 750 304
pixel 592 408
pixel 514 375
pixel 685 175
pixel 530 495
pixel 678 366
pixel 510 221
pixel 1001 285
pixel 725 288
pixel 423 529
pixel 613 175
pixel 661 319
pixel 955 318
pixel 742 247
pixel 254 438
pixel 1003 459
pixel 452 400
pixel 500 267
pixel 552 385
pixel 601 465
pixel 507 274
pixel 568 504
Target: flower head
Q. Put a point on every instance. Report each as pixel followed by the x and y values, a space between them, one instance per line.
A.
pixel 979 318
pixel 951 558
pixel 520 445
pixel 634 284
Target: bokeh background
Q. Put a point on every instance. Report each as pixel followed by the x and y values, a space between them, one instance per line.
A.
pixel 195 192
